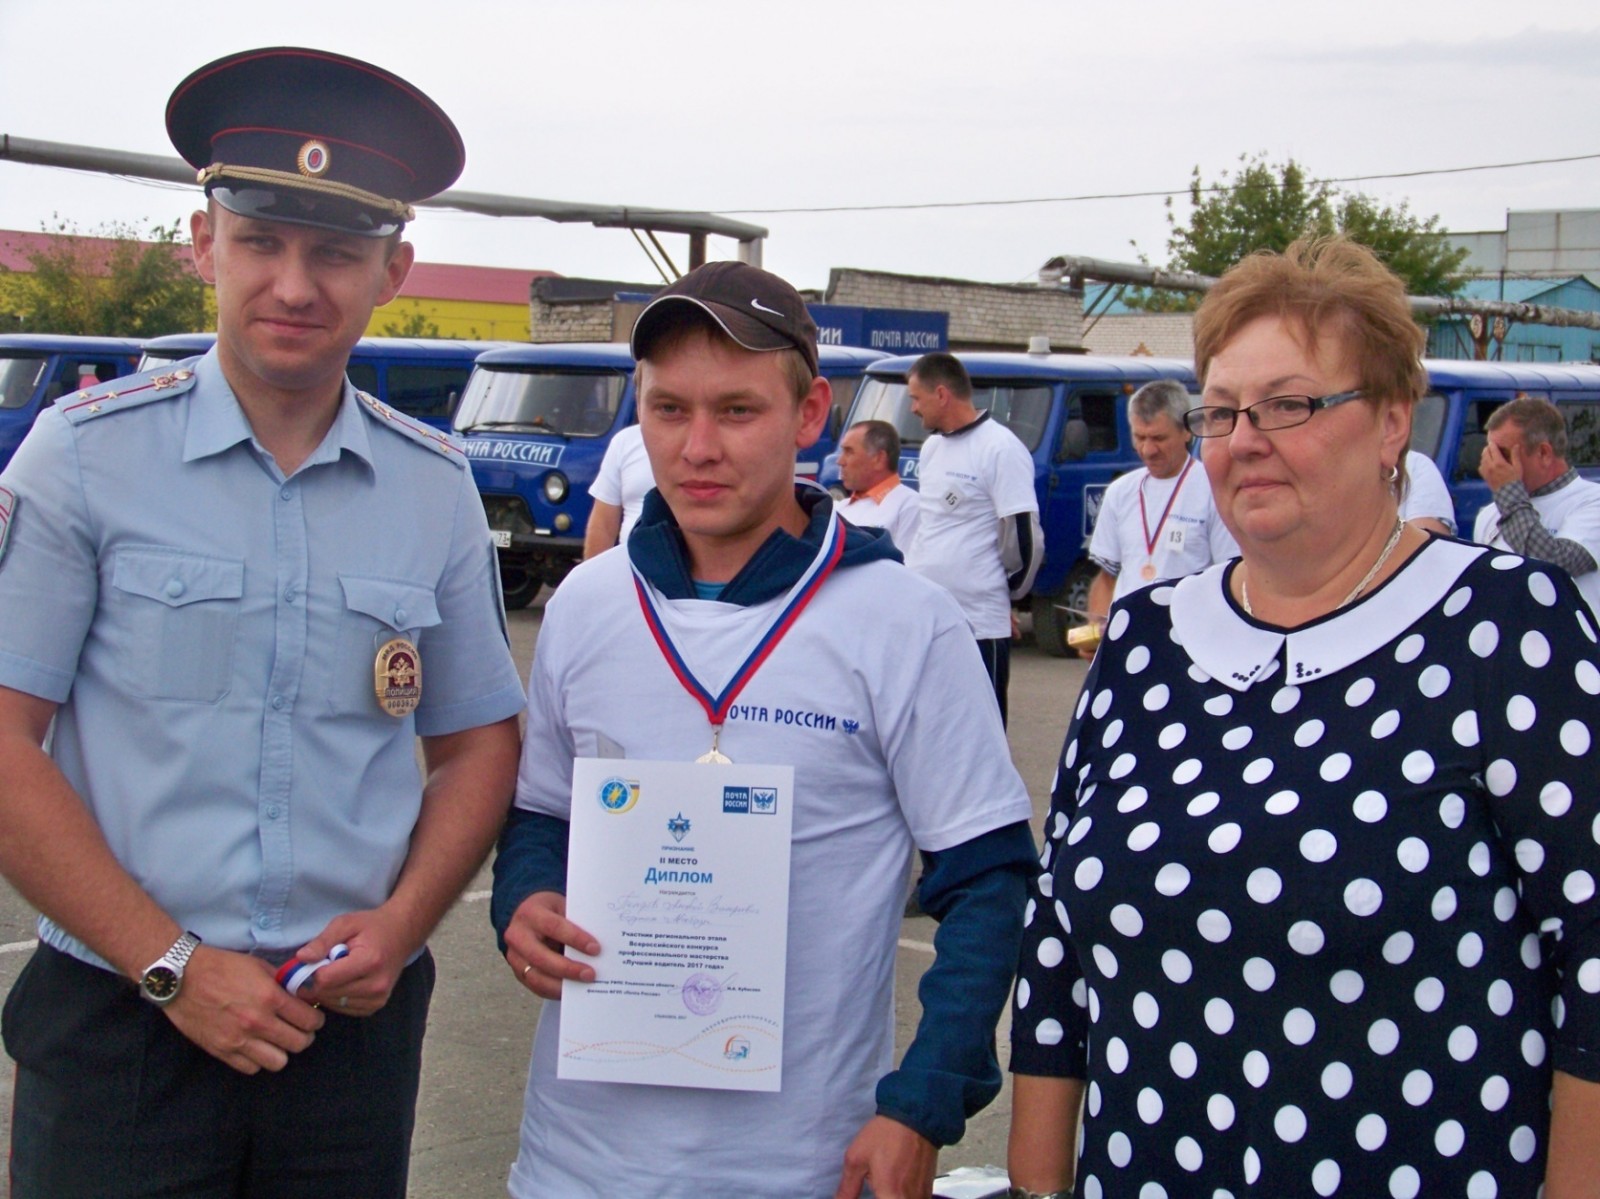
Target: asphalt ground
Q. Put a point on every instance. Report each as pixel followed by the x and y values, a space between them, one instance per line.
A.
pixel 481 1027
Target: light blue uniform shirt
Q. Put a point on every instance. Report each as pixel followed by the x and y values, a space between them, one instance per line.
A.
pixel 209 630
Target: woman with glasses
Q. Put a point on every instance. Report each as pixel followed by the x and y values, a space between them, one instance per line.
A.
pixel 1317 913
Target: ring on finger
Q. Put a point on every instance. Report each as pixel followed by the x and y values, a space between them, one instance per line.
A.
pixel 344 1002
pixel 527 968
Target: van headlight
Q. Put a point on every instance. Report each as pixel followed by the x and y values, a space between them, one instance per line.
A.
pixel 555 487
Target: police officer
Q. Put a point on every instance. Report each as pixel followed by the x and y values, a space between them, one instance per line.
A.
pixel 240 590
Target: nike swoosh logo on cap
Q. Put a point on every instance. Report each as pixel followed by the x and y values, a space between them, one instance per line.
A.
pixel 762 307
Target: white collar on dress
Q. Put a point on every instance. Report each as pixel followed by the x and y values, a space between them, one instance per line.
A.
pixel 1238 650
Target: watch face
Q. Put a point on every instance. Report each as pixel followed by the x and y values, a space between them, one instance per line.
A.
pixel 160 982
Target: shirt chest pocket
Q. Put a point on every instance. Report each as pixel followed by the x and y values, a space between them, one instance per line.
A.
pixel 376 611
pixel 180 619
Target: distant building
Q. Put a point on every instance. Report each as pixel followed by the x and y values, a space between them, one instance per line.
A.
pixel 438 299
pixel 1540 244
pixel 1450 337
pixel 983 316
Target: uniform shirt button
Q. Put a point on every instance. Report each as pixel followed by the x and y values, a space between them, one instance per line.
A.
pixel 287 493
pixel 277 702
pixel 289 595
pixel 174 588
pixel 399 616
pixel 272 812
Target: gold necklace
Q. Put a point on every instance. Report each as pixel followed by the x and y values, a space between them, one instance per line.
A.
pixel 1388 548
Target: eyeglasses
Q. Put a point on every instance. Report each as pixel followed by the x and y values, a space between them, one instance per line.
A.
pixel 1274 412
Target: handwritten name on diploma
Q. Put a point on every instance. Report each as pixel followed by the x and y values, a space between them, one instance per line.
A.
pixel 681 871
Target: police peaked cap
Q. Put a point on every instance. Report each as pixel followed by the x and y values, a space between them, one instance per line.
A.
pixel 313 138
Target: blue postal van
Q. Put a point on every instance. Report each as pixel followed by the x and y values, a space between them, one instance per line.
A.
pixel 1071 413
pixel 422 377
pixel 1449 423
pixel 37 369
pixel 535 422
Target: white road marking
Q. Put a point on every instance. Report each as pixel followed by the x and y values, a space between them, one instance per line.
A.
pixel 19 946
pixel 919 946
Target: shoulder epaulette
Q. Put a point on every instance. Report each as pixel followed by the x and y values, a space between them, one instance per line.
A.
pixel 418 432
pixel 119 395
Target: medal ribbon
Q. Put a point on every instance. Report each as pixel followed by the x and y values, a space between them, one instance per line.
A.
pixel 805 589
pixel 1149 538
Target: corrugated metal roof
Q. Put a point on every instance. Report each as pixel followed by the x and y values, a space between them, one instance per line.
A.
pixel 1518 290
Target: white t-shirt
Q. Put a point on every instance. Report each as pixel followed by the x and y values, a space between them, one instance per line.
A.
pixel 1191 537
pixel 970 480
pixel 1573 512
pixel 1426 493
pixel 625 477
pixel 877 700
pixel 896 511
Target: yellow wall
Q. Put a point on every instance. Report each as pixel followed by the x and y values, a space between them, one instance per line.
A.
pixel 473 320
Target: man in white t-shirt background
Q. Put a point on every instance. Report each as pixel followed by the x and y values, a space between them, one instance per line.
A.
pixel 978 532
pixel 869 470
pixel 618 492
pixel 1542 508
pixel 1425 500
pixel 1157 522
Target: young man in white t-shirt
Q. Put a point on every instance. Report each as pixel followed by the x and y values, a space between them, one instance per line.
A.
pixel 618 492
pixel 1157 522
pixel 978 532
pixel 870 691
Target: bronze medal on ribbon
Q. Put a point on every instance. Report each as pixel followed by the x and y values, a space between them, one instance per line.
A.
pixel 1147 571
pixel 397 677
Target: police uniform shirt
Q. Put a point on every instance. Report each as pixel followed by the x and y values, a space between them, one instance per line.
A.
pixel 896 741
pixel 1192 537
pixel 970 480
pixel 209 630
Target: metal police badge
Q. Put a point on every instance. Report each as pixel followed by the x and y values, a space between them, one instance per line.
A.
pixel 397 677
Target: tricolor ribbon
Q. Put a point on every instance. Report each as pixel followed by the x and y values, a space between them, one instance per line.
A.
pixel 804 590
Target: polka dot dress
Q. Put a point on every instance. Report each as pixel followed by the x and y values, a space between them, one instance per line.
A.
pixel 1317 915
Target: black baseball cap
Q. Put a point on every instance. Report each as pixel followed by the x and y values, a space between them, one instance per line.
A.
pixel 755 308
pixel 313 138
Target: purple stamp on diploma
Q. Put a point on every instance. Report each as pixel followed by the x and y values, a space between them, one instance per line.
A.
pixel 702 994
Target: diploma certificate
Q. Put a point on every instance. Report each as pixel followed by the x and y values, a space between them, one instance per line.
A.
pixel 681 872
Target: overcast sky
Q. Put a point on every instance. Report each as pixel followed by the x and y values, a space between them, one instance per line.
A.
pixel 735 107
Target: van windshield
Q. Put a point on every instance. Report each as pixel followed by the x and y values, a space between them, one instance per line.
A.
pixel 1024 408
pixel 568 403
pixel 19 378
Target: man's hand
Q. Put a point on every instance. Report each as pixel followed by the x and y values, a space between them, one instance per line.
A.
pixel 1087 652
pixel 536 941
pixel 360 983
pixel 898 1162
pixel 232 1007
pixel 1496 469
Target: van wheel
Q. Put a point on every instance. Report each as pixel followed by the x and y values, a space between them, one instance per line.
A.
pixel 1050 618
pixel 519 584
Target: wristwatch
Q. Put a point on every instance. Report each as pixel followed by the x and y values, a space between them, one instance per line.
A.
pixel 163 977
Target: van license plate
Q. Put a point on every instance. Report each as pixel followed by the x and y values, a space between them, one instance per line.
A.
pixel 502 538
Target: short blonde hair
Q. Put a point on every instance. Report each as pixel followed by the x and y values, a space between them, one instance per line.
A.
pixel 1325 285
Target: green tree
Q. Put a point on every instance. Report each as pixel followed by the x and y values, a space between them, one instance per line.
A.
pixel 415 324
pixel 110 282
pixel 1265 206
